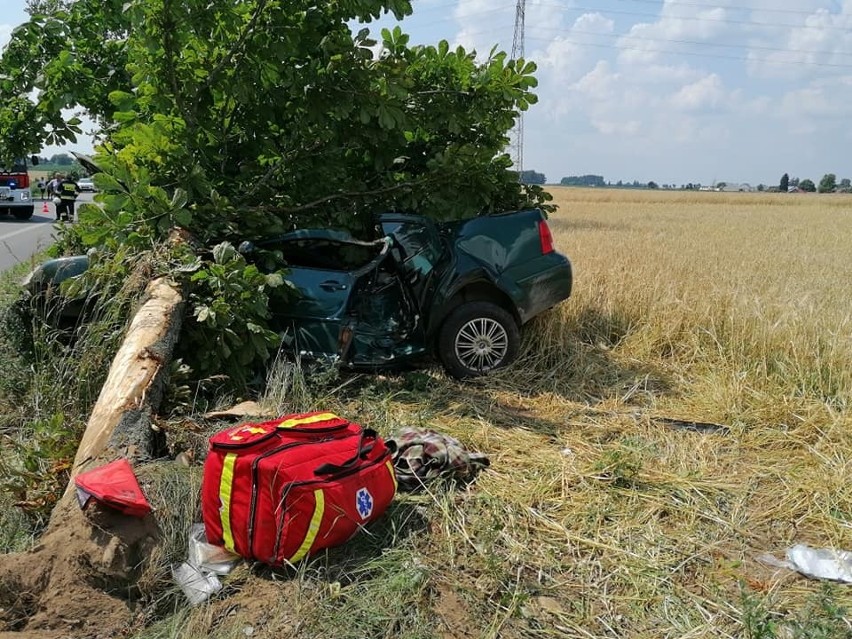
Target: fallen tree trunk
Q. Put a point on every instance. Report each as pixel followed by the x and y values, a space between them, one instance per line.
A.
pixel 120 420
pixel 88 561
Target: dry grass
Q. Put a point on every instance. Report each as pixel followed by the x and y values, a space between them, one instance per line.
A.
pixel 596 519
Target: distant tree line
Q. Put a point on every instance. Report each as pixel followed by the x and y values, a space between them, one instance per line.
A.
pixel 583 180
pixel 532 177
pixel 828 184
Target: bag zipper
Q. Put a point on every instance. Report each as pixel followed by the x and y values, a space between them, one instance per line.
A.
pixel 276 431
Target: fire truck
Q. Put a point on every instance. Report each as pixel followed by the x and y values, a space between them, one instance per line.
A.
pixel 15 196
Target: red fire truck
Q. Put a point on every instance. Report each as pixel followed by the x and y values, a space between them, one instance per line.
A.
pixel 15 196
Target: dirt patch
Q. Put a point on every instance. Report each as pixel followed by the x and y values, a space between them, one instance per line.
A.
pixel 259 607
pixel 79 580
pixel 457 618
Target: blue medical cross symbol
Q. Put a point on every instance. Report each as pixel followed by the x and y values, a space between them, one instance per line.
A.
pixel 364 502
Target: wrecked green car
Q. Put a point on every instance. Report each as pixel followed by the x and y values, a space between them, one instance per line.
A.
pixel 459 290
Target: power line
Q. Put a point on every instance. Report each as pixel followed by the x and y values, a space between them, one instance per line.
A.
pixel 713 6
pixel 658 16
pixel 697 54
pixel 694 42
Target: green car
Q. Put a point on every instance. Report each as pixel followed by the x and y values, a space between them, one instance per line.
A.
pixel 459 290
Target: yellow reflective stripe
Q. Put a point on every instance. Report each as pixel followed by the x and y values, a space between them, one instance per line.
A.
pixel 313 527
pixel 393 475
pixel 225 499
pixel 313 419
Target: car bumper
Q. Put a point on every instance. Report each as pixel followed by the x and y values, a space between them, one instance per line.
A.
pixel 547 288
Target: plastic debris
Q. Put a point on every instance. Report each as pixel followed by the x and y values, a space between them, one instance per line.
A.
pixel 206 556
pixel 197 576
pixel 114 485
pixel 196 583
pixel 816 563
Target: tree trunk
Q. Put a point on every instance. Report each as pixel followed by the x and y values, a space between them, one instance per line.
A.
pixel 120 421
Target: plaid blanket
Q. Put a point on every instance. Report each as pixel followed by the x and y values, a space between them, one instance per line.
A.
pixel 425 455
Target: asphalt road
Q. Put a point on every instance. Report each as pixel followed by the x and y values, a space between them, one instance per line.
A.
pixel 21 239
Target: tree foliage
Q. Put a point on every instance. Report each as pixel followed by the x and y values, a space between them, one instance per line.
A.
pixel 807 185
pixel 784 184
pixel 828 183
pixel 532 177
pixel 237 119
pixel 583 180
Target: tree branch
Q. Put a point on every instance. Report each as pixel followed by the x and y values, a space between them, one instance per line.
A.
pixel 340 196
pixel 226 61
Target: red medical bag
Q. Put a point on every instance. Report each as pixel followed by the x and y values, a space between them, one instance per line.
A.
pixel 277 491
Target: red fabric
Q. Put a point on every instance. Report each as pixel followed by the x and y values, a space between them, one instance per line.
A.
pixel 272 496
pixel 116 486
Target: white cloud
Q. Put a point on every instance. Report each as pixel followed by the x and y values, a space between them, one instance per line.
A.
pixel 708 93
pixel 818 42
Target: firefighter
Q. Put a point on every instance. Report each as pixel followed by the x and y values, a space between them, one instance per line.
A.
pixel 67 190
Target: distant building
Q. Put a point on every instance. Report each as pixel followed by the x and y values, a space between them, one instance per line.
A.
pixel 736 188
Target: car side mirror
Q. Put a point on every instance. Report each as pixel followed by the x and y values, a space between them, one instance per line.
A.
pixel 34 160
pixel 246 248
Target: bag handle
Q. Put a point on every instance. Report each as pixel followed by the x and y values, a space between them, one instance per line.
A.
pixel 364 449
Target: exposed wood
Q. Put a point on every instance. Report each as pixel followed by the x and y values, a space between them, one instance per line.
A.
pixel 134 385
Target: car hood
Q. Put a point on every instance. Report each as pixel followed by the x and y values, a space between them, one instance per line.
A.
pixel 55 272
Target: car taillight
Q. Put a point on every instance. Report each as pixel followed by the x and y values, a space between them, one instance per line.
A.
pixel 546 238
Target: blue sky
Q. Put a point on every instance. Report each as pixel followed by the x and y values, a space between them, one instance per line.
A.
pixel 671 91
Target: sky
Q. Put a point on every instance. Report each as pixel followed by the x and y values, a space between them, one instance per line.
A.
pixel 671 91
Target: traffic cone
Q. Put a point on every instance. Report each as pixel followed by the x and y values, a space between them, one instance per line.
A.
pixel 44 208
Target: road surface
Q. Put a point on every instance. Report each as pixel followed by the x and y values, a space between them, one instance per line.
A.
pixel 21 239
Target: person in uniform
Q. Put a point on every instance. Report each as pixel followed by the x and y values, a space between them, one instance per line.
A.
pixel 67 190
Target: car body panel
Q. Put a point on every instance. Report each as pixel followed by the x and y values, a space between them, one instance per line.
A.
pixel 373 304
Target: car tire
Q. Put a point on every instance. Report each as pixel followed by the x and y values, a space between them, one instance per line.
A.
pixel 23 213
pixel 477 338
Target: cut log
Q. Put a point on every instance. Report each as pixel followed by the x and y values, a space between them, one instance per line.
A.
pixel 133 388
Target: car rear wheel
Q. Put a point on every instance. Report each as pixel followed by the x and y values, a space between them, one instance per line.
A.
pixel 478 338
pixel 23 213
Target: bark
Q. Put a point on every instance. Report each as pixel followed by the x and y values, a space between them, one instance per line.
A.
pixel 120 421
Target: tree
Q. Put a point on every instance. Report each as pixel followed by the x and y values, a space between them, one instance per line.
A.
pixel 807 185
pixel 794 181
pixel 828 183
pixel 846 183
pixel 237 119
pixel 761 187
pixel 532 177
pixel 583 180
pixel 784 184
pixel 653 185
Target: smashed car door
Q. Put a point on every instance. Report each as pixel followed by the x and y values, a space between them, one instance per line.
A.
pixel 323 269
pixel 418 251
